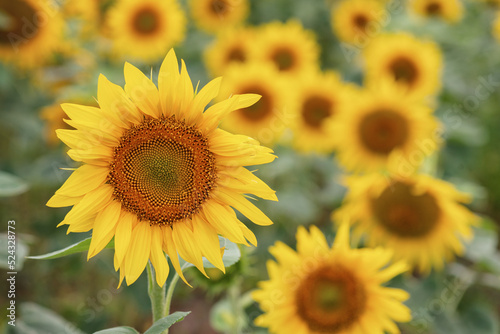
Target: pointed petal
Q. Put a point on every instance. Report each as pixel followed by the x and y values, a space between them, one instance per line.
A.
pixel 216 113
pixel 207 94
pixel 170 248
pixel 104 227
pixel 240 203
pixel 187 245
pixel 91 204
pixel 138 252
pixel 224 220
pixel 59 201
pixel 206 235
pixel 142 91
pixel 167 82
pixel 157 256
pixel 123 234
pixel 83 180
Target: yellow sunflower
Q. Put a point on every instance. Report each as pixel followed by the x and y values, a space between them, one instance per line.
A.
pixel 230 47
pixel 352 20
pixel 319 289
pixel 496 26
pixel 145 29
pixel 414 64
pixel 448 10
pixel 288 46
pixel 316 102
pixel 267 119
pixel 30 33
pixel 419 217
pixel 158 175
pixel 384 129
pixel 218 15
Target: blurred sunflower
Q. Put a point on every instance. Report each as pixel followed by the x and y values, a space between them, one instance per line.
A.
pixel 230 47
pixel 351 19
pixel 30 32
pixel 288 46
pixel 384 129
pixel 319 289
pixel 218 15
pixel 318 98
pixel 158 175
pixel 413 64
pixel 420 217
pixel 496 26
pixel 265 120
pixel 448 10
pixel 145 29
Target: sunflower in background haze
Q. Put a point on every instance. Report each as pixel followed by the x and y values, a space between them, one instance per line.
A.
pixel 158 175
pixel 30 33
pixel 448 10
pixel 218 15
pixel 415 65
pixel 318 289
pixel 421 218
pixel 144 30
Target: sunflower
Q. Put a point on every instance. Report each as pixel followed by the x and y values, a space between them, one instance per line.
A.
pixel 318 98
pixel 353 19
pixel 218 15
pixel 288 46
pixel 448 10
pixel 31 31
pixel 145 29
pixel 230 47
pixel 496 26
pixel 158 175
pixel 267 119
pixel 420 217
pixel 413 64
pixel 384 129
pixel 319 289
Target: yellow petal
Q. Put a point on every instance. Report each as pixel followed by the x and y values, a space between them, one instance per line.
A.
pixel 102 154
pixel 224 220
pixel 138 252
pixel 206 235
pixel 207 94
pixel 242 180
pixel 157 256
pixel 240 203
pixel 187 245
pixel 168 79
pixel 170 249
pixel 216 113
pixel 142 91
pixel 123 234
pixel 59 201
pixel 91 203
pixel 83 180
pixel 104 227
pixel 83 224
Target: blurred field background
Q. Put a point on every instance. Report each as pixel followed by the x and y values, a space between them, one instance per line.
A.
pixel 307 184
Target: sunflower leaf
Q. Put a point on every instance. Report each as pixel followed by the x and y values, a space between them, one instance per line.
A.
pixel 165 323
pixel 11 185
pixel 118 330
pixel 81 246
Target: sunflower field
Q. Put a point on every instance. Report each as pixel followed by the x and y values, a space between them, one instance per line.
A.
pixel 250 166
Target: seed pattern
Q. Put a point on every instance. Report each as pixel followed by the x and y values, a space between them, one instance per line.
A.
pixel 162 170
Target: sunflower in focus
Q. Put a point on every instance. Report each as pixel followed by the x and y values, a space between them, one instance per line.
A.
pixel 288 46
pixel 384 130
pixel 352 19
pixel 421 218
pixel 413 64
pixel 230 47
pixel 319 289
pixel 448 10
pixel 318 98
pixel 158 175
pixel 218 15
pixel 145 29
pixel 30 32
pixel 265 120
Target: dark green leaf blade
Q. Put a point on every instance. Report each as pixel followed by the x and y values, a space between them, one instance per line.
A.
pixel 79 247
pixel 165 323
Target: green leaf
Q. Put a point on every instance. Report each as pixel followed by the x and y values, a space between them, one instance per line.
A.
pixel 11 185
pixel 118 330
pixel 20 254
pixel 39 320
pixel 231 255
pixel 81 246
pixel 165 323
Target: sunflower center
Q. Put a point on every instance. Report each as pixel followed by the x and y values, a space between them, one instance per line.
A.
pixel 162 170
pixel 433 8
pixel 360 22
pixel 146 21
pixel 284 59
pixel 405 213
pixel 330 299
pixel 236 55
pixel 383 131
pixel 261 109
pixel 219 7
pixel 315 110
pixel 404 70
pixel 18 21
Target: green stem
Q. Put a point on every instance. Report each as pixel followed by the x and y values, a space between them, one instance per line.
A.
pixel 170 293
pixel 157 295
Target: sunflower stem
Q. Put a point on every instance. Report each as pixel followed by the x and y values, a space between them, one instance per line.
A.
pixel 170 293
pixel 157 295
